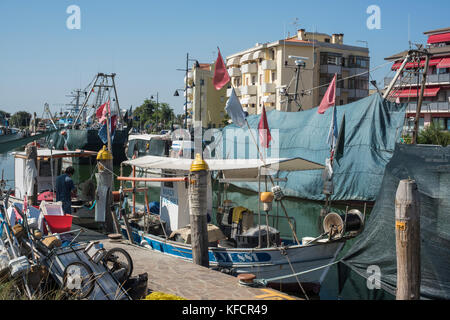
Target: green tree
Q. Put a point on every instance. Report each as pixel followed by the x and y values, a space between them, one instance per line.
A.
pixel 21 119
pixel 434 134
pixel 4 114
pixel 150 114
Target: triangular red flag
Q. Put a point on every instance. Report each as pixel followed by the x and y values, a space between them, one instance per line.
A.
pixel 329 99
pixel 264 132
pixel 221 76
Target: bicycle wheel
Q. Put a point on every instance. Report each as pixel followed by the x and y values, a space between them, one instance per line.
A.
pixel 116 259
pixel 79 279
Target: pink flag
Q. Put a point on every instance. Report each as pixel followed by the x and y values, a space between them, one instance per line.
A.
pixel 329 98
pixel 102 112
pixel 264 132
pixel 221 76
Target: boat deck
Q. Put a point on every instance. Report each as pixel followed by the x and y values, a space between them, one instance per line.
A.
pixel 184 279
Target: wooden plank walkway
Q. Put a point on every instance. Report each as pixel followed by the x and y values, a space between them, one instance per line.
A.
pixel 182 278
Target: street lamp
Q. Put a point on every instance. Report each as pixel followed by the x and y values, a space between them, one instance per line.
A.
pixel 176 94
pixel 152 96
pixel 197 65
pixel 157 97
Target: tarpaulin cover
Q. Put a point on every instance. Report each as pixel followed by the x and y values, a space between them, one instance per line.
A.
pixel 372 126
pixel 429 166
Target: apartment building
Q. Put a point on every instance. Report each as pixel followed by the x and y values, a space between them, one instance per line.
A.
pixel 436 101
pixel 205 103
pixel 263 74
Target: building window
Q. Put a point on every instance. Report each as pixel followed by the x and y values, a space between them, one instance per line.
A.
pixel 253 80
pixel 421 123
pixel 274 76
pixel 441 122
pixel 330 58
pixel 358 62
pixel 272 54
pixel 260 79
pixel 351 83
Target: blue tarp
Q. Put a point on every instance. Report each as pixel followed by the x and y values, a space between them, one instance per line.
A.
pixel 372 127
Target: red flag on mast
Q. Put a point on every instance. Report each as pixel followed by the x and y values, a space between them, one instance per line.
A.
pixel 329 99
pixel 221 76
pixel 264 132
pixel 102 112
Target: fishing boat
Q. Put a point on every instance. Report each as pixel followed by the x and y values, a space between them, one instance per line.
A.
pixel 50 164
pixel 82 126
pixel 238 241
pixel 10 134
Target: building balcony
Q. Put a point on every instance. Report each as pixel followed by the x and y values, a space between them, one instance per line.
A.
pixel 248 90
pixel 248 100
pixel 269 65
pixel 233 61
pixel 330 68
pixel 356 93
pixel 429 107
pixel 443 78
pixel 234 72
pixel 268 99
pixel 322 91
pixel 249 68
pixel 268 87
pixel 236 90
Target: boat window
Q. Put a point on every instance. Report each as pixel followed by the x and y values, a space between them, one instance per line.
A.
pixel 44 168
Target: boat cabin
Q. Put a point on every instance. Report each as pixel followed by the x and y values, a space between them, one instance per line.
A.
pixel 148 144
pixel 174 198
pixel 50 164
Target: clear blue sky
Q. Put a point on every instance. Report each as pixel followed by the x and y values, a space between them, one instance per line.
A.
pixel 145 41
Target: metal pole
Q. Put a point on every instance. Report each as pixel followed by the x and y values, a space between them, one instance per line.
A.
pixel 419 102
pixel 399 71
pixel 85 102
pixel 185 91
pixel 117 98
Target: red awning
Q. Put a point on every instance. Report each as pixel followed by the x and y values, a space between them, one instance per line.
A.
pixel 441 37
pixel 396 65
pixel 409 65
pixel 412 92
pixel 444 63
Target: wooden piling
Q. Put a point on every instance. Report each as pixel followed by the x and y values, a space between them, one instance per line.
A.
pixel 105 178
pixel 197 208
pixel 407 240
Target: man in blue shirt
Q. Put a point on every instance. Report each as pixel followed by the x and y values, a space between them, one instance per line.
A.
pixel 65 188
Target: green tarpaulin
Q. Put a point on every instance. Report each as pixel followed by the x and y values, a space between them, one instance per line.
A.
pixel 372 127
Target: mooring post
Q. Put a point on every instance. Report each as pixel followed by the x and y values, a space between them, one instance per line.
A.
pixel 105 180
pixel 407 240
pixel 198 184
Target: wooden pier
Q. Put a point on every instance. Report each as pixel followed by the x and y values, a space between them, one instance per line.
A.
pixel 182 278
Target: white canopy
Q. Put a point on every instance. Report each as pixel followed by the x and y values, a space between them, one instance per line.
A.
pixel 45 153
pixel 232 168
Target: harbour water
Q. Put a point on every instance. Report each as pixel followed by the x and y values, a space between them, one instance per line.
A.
pixel 305 213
